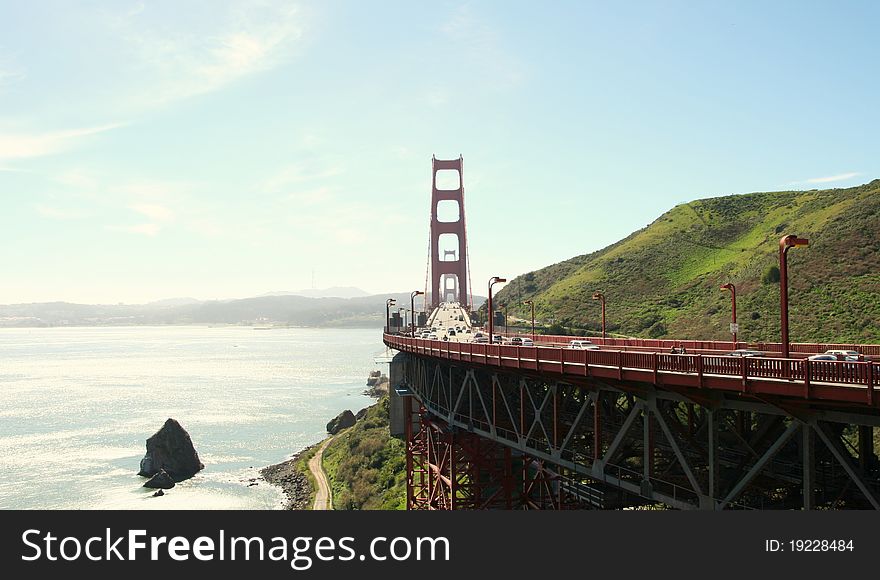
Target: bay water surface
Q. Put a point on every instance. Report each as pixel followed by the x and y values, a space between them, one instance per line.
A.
pixel 79 403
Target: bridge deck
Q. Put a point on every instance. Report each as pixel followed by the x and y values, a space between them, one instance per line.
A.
pixel 852 383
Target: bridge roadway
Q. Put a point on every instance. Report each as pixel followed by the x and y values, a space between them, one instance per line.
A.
pixel 837 381
pixel 641 360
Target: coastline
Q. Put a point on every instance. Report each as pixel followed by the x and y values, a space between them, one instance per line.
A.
pixel 292 479
pixel 293 475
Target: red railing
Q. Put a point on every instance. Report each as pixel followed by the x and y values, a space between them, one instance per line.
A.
pixel 701 345
pixel 844 381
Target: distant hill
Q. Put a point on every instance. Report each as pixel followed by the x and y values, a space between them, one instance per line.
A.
pixel 364 311
pixel 663 280
pixel 334 292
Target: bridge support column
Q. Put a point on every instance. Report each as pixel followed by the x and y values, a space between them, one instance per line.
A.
pixel 647 451
pixel 712 425
pixel 867 457
pixel 809 460
pixel 597 428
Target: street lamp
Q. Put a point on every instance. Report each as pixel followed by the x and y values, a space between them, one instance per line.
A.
pixel 388 304
pixel 601 296
pixel 492 280
pixel 412 303
pixel 787 242
pixel 733 327
pixel 532 304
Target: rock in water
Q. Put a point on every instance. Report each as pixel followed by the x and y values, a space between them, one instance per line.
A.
pixel 161 481
pixel 342 421
pixel 171 449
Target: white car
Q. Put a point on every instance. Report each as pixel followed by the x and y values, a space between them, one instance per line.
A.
pixel 582 345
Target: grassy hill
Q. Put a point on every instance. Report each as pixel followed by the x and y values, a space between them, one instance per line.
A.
pixel 663 280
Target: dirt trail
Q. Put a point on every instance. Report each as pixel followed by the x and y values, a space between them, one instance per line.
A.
pixel 323 497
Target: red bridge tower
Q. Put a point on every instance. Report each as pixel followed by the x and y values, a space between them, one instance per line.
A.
pixel 452 273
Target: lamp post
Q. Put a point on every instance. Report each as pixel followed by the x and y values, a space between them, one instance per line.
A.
pixel 601 296
pixel 786 243
pixel 532 304
pixel 412 303
pixel 388 304
pixel 732 289
pixel 492 280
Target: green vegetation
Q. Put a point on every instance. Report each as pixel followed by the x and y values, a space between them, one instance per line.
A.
pixel 366 466
pixel 663 280
pixel 302 466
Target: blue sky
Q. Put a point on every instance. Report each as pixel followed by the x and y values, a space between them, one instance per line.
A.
pixel 226 149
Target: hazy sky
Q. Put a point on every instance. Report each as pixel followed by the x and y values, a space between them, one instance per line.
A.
pixel 226 149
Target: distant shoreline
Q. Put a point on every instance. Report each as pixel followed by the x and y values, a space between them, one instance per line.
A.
pixel 190 325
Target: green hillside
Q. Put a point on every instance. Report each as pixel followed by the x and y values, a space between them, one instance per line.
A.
pixel 365 464
pixel 663 280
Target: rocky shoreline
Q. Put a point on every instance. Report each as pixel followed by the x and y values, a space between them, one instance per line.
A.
pixel 294 483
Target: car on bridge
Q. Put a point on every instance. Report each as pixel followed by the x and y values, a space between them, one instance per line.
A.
pixel 521 341
pixel 845 354
pixel 582 345
pixel 482 339
pixel 746 352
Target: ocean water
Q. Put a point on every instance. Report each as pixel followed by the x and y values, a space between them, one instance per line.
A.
pixel 79 403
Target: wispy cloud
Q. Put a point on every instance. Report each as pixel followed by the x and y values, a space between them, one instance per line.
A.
pixel 250 38
pixel 154 212
pixel 77 179
pixel 139 229
pixel 832 178
pixel 311 196
pixel 298 174
pixel 60 213
pixel 22 146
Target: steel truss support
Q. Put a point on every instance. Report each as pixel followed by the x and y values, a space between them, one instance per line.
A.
pixel 637 445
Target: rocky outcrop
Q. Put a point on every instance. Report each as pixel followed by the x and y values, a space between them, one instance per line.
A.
pixel 160 481
pixel 171 449
pixel 361 414
pixel 378 385
pixel 343 420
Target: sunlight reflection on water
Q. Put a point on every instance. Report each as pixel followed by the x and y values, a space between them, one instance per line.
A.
pixel 79 403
